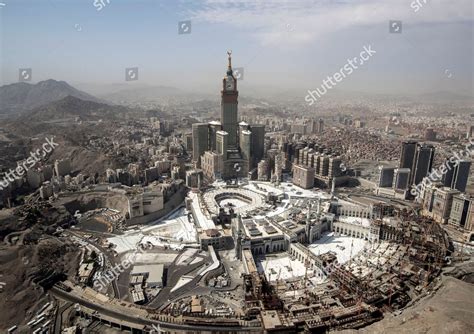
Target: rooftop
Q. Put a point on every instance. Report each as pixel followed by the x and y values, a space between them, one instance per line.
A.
pixel 154 271
pixel 255 228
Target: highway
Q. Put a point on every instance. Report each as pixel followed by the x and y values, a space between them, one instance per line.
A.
pixel 143 321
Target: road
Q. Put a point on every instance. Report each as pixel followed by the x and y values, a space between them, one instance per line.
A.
pixel 59 317
pixel 175 272
pixel 109 260
pixel 143 321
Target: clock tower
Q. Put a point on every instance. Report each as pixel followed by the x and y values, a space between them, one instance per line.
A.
pixel 229 103
pixel 229 145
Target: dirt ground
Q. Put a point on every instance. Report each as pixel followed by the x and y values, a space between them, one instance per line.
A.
pixel 19 266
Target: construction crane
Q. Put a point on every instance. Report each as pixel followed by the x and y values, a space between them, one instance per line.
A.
pixel 350 255
pixel 265 270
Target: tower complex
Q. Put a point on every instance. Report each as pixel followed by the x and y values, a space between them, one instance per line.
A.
pixel 227 149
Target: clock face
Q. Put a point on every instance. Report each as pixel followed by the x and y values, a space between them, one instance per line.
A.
pixel 229 83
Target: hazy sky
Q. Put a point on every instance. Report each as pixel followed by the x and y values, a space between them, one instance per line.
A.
pixel 281 44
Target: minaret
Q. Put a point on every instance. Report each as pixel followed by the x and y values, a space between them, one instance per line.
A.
pixel 308 225
pixel 229 93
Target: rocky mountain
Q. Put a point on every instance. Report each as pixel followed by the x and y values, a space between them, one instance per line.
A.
pixel 23 96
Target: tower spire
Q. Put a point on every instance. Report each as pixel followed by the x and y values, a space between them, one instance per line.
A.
pixel 229 57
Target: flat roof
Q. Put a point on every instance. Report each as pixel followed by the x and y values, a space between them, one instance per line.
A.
pixel 154 271
pixel 260 228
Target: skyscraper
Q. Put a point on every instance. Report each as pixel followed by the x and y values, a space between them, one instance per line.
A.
pixel 315 126
pixel 222 143
pixel 401 179
pixel 424 155
pixel 423 162
pixel 214 126
pixel 257 143
pixel 461 175
pixel 231 148
pixel 200 140
pixel 312 126
pixel 386 175
pixel 408 154
pixel 320 126
pixel 457 175
pixel 245 144
pixel 229 103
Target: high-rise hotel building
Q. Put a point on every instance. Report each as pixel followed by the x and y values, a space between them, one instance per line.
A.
pixel 227 149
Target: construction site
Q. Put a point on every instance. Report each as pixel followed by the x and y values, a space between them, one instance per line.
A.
pixel 383 278
pixel 307 262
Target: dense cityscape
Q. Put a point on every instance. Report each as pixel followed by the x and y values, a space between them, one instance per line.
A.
pixel 151 210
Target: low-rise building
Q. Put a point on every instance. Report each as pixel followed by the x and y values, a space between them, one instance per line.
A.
pixel 143 201
pixel 86 270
